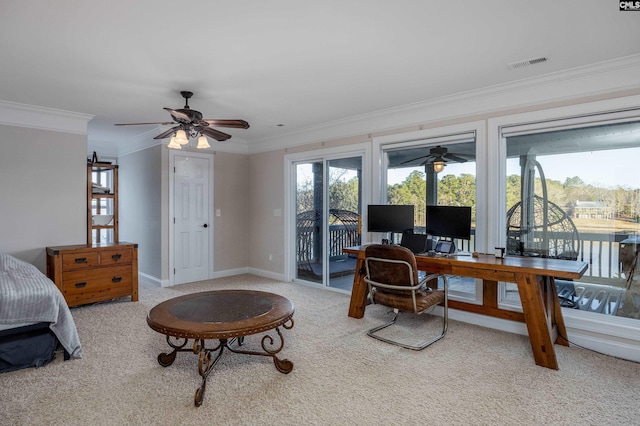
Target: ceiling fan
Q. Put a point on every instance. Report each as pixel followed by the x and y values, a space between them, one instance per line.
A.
pixel 438 156
pixel 191 124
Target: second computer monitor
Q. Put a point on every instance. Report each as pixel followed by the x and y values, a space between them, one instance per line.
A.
pixel 449 222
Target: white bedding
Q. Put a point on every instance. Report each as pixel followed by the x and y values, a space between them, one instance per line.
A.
pixel 28 296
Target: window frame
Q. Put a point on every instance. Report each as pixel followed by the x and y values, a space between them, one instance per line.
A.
pixel 604 333
pixel 435 136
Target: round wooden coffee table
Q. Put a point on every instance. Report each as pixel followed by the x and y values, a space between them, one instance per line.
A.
pixel 226 316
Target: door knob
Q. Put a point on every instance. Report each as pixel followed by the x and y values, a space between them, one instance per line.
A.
pixel 205 225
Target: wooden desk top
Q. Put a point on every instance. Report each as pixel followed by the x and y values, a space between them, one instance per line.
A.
pixel 486 263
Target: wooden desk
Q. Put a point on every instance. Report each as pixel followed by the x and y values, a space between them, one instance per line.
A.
pixel 533 275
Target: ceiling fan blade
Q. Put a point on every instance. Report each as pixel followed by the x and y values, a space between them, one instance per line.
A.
pixel 139 124
pixel 179 116
pixel 236 124
pixel 213 133
pixel 455 158
pixel 425 157
pixel 167 133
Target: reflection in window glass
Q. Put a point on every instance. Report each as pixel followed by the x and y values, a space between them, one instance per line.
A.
pixel 414 177
pixel 575 194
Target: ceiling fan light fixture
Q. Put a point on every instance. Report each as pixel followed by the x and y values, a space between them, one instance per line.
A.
pixel 173 144
pixel 203 142
pixel 191 124
pixel 181 137
pixel 438 166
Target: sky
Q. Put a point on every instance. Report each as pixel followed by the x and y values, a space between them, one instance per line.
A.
pixel 601 168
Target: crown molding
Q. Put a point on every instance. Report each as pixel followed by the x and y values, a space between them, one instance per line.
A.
pixel 145 141
pixel 592 80
pixel 22 115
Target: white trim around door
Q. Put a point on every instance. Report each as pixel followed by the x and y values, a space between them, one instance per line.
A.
pixel 210 223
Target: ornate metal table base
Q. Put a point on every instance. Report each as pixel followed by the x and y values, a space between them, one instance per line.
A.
pixel 206 363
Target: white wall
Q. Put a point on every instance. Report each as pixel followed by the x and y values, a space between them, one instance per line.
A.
pixel 144 209
pixel 140 206
pixel 231 194
pixel 43 178
pixel 266 195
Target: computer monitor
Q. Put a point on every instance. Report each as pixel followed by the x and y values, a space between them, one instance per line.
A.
pixel 389 218
pixel 449 221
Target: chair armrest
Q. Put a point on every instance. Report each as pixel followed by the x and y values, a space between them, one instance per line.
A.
pixel 394 287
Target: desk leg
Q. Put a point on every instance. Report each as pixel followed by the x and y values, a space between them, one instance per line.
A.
pixel 533 307
pixel 558 319
pixel 359 291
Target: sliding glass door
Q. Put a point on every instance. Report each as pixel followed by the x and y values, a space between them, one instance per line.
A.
pixel 343 218
pixel 328 206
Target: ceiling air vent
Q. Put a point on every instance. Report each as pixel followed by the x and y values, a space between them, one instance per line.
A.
pixel 526 63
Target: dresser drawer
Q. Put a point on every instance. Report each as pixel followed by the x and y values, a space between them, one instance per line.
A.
pixel 88 273
pixel 116 257
pixel 80 260
pixel 97 280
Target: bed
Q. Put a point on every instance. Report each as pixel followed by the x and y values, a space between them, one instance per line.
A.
pixel 34 318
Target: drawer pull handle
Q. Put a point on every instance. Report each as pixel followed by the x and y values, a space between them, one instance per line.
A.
pixel 116 256
pixel 81 285
pixel 116 279
pixel 81 260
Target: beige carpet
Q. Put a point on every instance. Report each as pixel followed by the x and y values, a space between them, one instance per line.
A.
pixel 474 376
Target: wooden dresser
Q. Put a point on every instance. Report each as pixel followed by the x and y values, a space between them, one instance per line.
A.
pixel 88 273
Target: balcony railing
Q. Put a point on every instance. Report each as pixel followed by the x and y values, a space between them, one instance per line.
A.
pixel 601 251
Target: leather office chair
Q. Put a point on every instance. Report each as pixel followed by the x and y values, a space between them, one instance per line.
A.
pixel 392 279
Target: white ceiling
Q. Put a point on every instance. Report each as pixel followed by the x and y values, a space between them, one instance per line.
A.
pixel 295 63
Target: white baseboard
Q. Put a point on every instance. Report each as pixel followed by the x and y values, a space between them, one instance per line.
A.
pixel 230 273
pixel 583 334
pixel 221 274
pixel 266 274
pixel 155 280
pixel 628 350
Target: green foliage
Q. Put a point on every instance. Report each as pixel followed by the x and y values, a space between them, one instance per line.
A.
pixel 344 195
pixel 411 191
pixel 452 191
pixel 461 191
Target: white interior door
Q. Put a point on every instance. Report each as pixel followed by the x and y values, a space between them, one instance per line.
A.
pixel 192 225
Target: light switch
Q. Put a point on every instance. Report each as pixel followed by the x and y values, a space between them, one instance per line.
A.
pixel 218 213
pixel 277 212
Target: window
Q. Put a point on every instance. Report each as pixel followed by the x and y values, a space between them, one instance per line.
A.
pixel 574 193
pixel 438 168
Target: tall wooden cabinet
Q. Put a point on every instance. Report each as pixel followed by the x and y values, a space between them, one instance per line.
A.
pixel 102 203
pixel 104 268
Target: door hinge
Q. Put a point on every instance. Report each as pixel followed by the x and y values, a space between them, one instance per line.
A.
pixel 174 271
